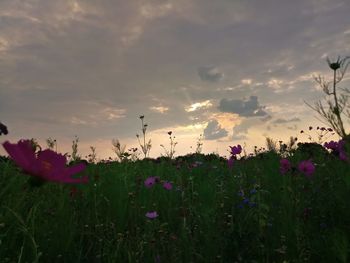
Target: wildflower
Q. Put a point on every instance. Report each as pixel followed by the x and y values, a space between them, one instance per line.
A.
pixel 167 185
pixel 236 149
pixel 285 166
pixel 335 65
pixel 331 145
pixel 3 129
pixel 306 167
pixel 151 214
pixel 47 165
pixel 150 181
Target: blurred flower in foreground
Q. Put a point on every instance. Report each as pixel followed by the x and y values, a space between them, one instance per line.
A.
pixel 47 165
pixel 306 167
pixel 3 129
pixel 152 214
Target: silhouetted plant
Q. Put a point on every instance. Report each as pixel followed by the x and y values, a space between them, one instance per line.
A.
pixel 271 144
pixel 3 129
pixel 119 149
pixel 75 156
pixel 146 147
pixel 171 152
pixel 321 136
pixel 199 144
pixel 122 154
pixel 35 145
pixel 51 143
pixel 93 155
pixel 333 116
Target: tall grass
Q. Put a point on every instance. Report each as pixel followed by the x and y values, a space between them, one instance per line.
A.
pixel 213 213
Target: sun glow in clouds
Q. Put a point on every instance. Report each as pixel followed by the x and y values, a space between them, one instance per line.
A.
pixel 112 113
pixel 159 109
pixel 199 105
pixel 246 81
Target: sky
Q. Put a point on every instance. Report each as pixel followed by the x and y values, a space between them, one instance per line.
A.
pixel 234 71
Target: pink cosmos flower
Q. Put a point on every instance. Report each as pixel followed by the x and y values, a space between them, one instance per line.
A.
pixel 167 185
pixel 47 165
pixel 152 214
pixel 150 181
pixel 236 149
pixel 306 167
pixel 285 166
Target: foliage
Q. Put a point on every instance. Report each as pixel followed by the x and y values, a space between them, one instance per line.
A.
pixel 333 116
pixel 145 147
pixel 189 209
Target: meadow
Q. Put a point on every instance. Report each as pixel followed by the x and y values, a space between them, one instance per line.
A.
pixel 285 205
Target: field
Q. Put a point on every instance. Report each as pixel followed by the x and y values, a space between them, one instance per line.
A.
pixel 194 208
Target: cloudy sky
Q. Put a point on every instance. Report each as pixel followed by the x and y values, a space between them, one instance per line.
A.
pixel 235 71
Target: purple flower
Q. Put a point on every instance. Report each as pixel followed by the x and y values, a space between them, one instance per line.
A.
pixel 236 149
pixel 150 181
pixel 331 145
pixel 167 185
pixel 285 166
pixel 151 214
pixel 47 165
pixel 306 167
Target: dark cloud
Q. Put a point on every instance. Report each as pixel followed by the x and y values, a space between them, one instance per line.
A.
pixel 213 131
pixel 210 73
pixel 247 108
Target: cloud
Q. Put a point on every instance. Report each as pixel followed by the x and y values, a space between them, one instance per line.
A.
pixel 213 131
pixel 247 108
pixel 210 73
pixel 159 109
pixel 266 119
pixel 280 121
pixel 199 105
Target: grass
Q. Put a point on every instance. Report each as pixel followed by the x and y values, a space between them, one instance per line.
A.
pixel 213 213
